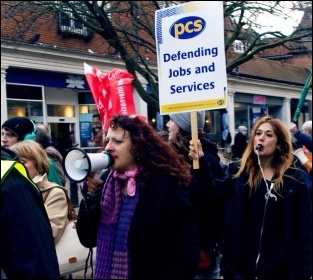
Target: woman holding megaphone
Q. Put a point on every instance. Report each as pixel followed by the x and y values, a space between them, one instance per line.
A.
pixel 137 214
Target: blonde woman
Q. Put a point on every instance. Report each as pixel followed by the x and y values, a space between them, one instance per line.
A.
pixel 270 215
pixel 35 159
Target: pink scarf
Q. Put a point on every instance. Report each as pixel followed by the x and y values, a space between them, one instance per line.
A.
pixel 131 185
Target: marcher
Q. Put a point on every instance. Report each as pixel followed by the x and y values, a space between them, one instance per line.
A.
pixel 35 159
pixel 305 140
pixel 27 247
pixel 207 198
pixel 240 143
pixel 43 137
pixel 304 137
pixel 18 129
pixel 269 221
pixel 145 225
pixel 97 131
pixel 71 141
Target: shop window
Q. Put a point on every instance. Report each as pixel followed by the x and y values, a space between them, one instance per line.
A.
pixel 65 111
pixel 30 109
pixel 25 101
pixel 89 123
pixel 24 92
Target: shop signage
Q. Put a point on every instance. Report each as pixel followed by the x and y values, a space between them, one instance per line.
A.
pixel 259 99
pixel 75 81
pixel 46 78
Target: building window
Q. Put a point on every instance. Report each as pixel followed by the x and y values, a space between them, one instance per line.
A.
pixel 66 111
pixel 68 25
pixel 166 4
pixel 25 101
pixel 238 46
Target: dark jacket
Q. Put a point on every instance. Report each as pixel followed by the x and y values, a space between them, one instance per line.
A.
pixel 207 197
pixel 27 246
pixel 304 139
pixel 163 240
pixel 295 226
pixel 240 144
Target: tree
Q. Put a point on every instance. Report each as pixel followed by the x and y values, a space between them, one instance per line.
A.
pixel 128 28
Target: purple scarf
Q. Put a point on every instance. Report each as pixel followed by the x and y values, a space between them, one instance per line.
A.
pixel 112 260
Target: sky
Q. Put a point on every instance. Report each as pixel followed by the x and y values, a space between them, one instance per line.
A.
pixel 274 23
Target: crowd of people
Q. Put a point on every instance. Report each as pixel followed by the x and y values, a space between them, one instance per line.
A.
pixel 152 214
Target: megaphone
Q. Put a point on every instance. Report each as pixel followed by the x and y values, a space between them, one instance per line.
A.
pixel 78 164
pixel 299 153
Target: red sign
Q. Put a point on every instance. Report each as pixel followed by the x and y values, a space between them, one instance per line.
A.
pixel 259 99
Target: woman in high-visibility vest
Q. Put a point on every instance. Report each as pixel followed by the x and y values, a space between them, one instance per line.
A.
pixel 27 247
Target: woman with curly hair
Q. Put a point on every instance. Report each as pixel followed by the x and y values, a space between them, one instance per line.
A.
pixel 137 214
pixel 270 214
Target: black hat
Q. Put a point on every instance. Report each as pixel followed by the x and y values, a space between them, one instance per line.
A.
pixel 22 127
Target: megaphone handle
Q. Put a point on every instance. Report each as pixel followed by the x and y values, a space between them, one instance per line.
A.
pixel 308 165
pixel 98 174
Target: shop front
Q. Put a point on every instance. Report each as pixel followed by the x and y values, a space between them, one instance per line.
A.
pixel 62 101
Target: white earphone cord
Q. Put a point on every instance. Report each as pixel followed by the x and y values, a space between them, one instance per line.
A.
pixel 269 193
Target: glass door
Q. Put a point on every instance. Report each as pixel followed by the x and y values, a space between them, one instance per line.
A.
pixel 60 133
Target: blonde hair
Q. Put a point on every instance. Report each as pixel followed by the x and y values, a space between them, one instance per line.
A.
pixel 282 159
pixel 32 151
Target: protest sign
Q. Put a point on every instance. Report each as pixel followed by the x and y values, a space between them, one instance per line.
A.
pixel 191 57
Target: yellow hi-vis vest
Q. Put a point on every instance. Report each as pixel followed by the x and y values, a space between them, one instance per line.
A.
pixel 8 165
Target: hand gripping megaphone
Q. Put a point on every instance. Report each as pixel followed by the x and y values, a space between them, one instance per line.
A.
pixel 299 153
pixel 77 164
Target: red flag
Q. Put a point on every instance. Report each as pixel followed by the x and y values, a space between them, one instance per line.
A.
pixel 100 95
pixel 112 92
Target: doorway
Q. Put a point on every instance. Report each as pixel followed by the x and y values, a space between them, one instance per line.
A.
pixel 60 134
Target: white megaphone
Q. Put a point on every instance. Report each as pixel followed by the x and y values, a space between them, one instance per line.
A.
pixel 78 164
pixel 299 153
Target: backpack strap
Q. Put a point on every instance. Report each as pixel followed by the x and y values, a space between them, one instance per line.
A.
pixel 71 214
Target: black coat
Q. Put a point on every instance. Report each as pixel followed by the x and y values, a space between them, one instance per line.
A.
pixel 27 246
pixel 207 197
pixel 163 240
pixel 296 227
pixel 240 144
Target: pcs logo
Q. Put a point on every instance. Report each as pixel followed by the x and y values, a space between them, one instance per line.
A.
pixel 187 28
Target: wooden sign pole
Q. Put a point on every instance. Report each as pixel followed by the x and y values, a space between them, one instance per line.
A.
pixel 194 136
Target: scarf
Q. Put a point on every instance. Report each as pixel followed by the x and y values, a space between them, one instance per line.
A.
pixel 112 261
